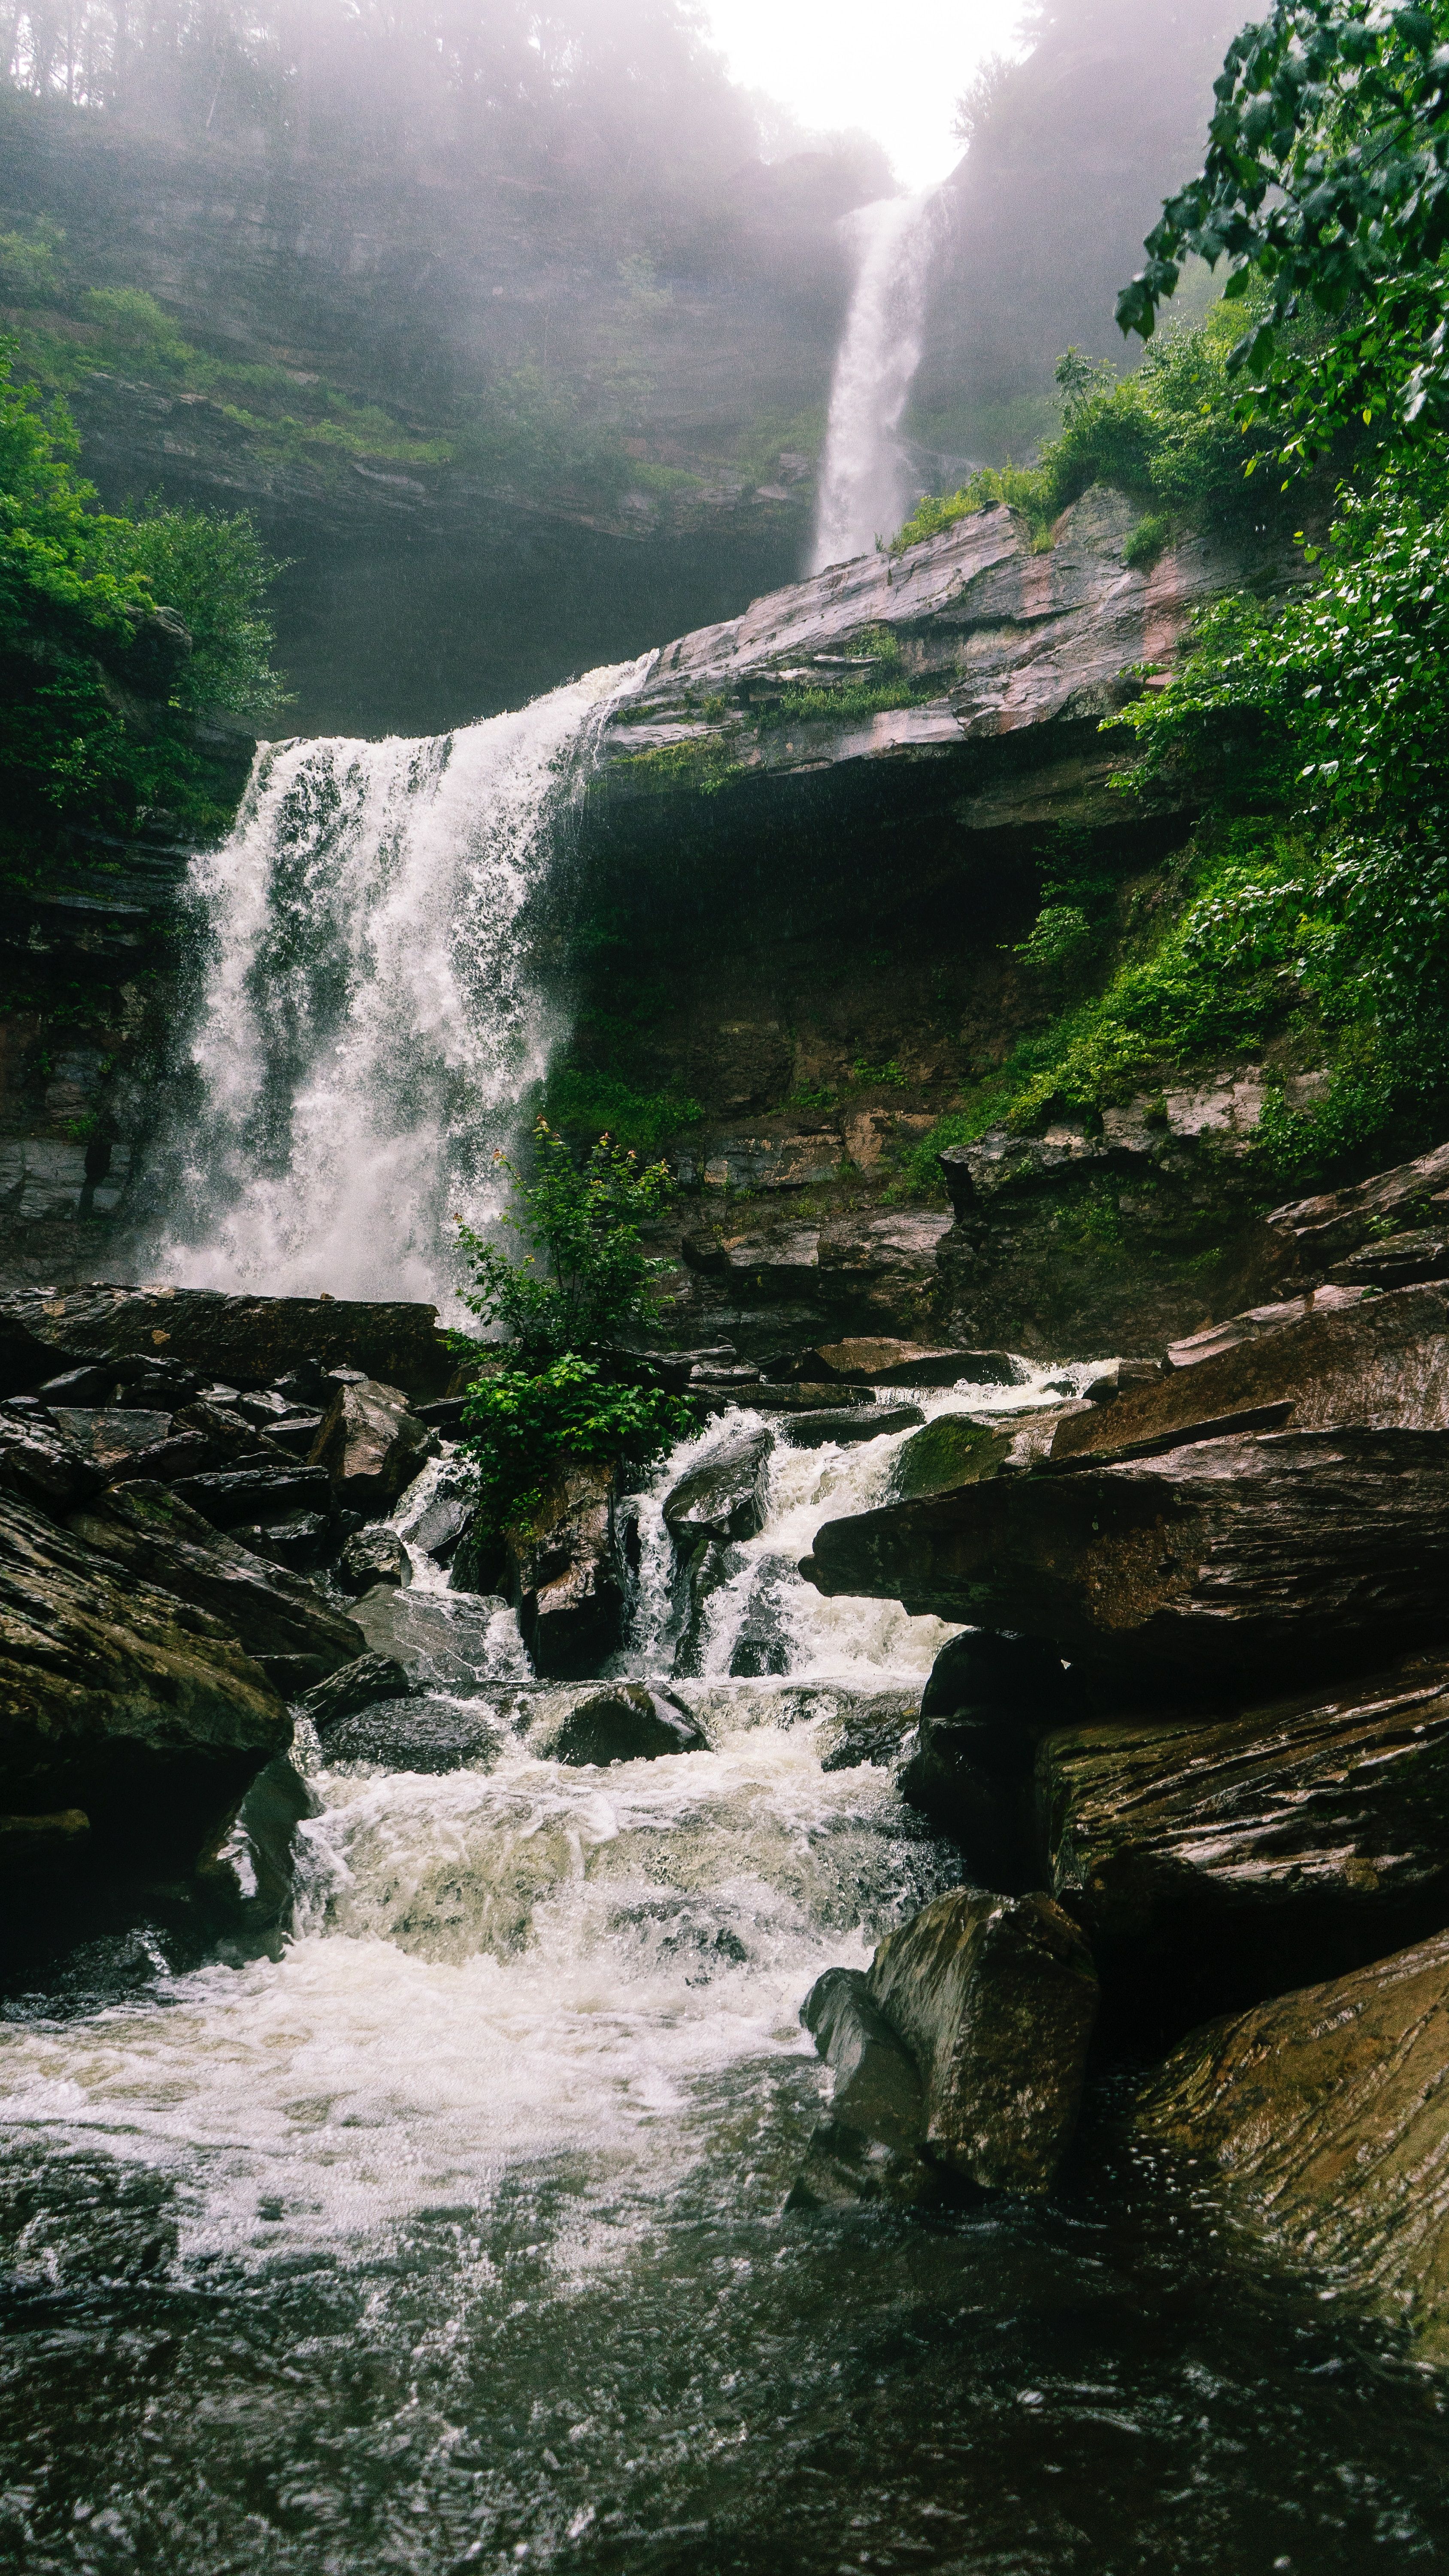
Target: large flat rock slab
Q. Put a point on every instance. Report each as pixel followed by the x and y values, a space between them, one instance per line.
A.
pixel 1218 1565
pixel 1327 2115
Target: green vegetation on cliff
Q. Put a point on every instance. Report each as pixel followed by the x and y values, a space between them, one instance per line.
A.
pixel 116 634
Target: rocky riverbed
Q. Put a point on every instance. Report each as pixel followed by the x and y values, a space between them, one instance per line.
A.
pixel 418 1957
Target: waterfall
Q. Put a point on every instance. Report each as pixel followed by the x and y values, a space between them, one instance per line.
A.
pixel 866 487
pixel 372 1012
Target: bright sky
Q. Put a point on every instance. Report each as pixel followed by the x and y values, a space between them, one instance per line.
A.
pixel 897 70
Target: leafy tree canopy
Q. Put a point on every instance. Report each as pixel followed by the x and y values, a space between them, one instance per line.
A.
pixel 1327 179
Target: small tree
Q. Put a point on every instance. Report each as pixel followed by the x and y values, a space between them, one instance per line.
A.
pixel 585 1224
pixel 522 1424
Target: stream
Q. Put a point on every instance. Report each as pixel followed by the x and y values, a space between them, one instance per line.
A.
pixel 454 2238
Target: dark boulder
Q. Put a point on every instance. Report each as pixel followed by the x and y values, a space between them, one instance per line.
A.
pixel 880 1361
pixel 1326 2114
pixel 231 1496
pixel 247 1341
pixel 425 1734
pixel 247 1880
pixel 279 1617
pixel 111 1438
pixel 973 1780
pixel 762 1643
pixel 566 1576
pixel 354 1686
pixel 371 1446
pixel 39 1464
pixel 479 1561
pixel 996 1998
pixel 1303 1241
pixel 869 2145
pixel 952 1450
pixel 869 1727
pixel 725 1496
pixel 875 1422
pixel 1216 1862
pixel 370 1556
pixel 122 1700
pixel 1277 1556
pixel 702 1575
pixel 299 1543
pixel 624 1723
pixel 1379 1365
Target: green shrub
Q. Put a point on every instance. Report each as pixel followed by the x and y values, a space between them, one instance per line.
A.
pixel 1146 542
pixel 520 1427
pixel 583 1223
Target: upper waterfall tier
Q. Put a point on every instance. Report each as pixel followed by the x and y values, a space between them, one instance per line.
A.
pixel 971 644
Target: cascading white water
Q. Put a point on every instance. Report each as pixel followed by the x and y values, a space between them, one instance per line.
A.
pixel 371 1013
pixel 866 487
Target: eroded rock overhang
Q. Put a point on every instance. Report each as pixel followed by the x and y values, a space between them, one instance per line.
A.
pixel 1004 663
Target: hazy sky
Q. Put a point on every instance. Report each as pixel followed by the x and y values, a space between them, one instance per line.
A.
pixel 897 70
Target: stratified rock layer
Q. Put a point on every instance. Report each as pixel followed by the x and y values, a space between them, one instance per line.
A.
pixel 1217 1862
pixel 247 1341
pixel 121 1700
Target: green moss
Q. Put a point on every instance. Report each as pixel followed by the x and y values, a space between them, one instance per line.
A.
pixel 701 767
pixel 592 1104
pixel 952 1450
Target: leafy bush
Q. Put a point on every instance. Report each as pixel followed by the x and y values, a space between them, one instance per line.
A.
pixel 520 1427
pixel 215 573
pixel 1169 434
pixel 585 1223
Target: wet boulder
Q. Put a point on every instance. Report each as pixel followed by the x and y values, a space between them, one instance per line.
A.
pixel 279 1617
pixel 231 1497
pixel 868 1727
pixel 996 1998
pixel 762 1642
pixel 566 1576
pixel 1381 1364
pixel 625 1723
pixel 121 1700
pixel 371 1446
pixel 952 1450
pixel 299 1543
pixel 479 1562
pixel 1221 1859
pixel 725 1496
pixel 372 1556
pixel 973 1781
pixel 444 1641
pixel 426 1733
pixel 247 1879
pixel 354 1686
pixel 869 2147
pixel 1326 2114
pixel 703 1574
